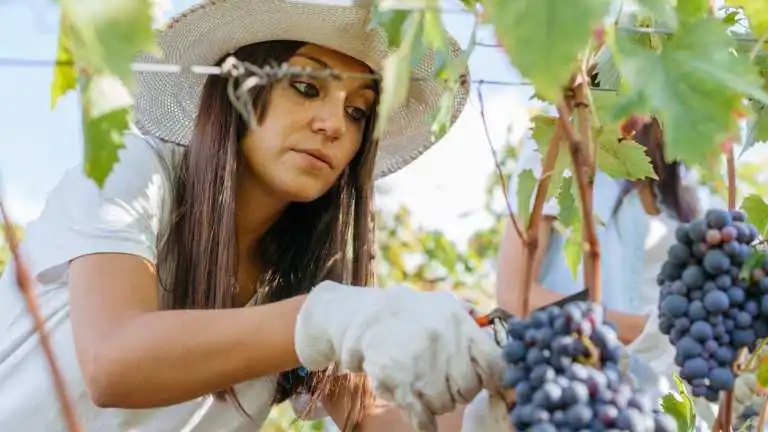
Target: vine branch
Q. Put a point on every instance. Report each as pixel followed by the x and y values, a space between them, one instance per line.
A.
pixel 496 162
pixel 24 281
pixel 582 170
pixel 534 222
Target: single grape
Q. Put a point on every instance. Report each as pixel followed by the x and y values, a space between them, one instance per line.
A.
pixel 716 301
pixel 679 253
pixel 717 218
pixel 721 378
pixel 738 215
pixel 695 368
pixel 713 237
pixel 716 262
pixel 682 235
pixel 728 234
pixel 697 230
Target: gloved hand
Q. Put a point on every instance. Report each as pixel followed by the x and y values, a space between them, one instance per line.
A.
pixel 486 413
pixel 422 350
pixel 747 394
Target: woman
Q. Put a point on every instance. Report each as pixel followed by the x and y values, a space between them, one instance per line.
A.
pixel 215 212
pixel 639 220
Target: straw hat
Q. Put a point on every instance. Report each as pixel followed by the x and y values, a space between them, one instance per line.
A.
pixel 166 104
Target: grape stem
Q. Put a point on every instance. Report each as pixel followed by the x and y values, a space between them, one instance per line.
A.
pixel 583 171
pixel 532 234
pixel 731 168
pixel 24 281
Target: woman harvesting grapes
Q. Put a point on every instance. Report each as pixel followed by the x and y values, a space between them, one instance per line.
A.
pixel 213 207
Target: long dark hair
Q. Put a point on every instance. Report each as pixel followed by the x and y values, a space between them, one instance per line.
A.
pixel 329 238
pixel 680 199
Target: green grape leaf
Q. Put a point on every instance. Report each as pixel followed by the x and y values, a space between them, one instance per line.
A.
pixel 391 21
pixel 756 12
pixel 757 212
pixel 692 10
pixel 661 10
pixel 526 184
pixel 106 36
pixel 106 107
pixel 570 218
pixel 680 407
pixel 555 33
pixel 103 141
pixel 543 128
pixel 731 18
pixel 64 75
pixel 574 248
pixel 694 80
pixel 396 75
pixel 757 127
pixel 434 33
pixel 624 159
pixel 567 203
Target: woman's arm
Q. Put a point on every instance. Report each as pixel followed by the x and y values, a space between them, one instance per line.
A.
pixel 509 282
pixel 385 417
pixel 134 356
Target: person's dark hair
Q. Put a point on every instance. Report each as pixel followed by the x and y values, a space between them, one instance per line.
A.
pixel 678 198
pixel 329 238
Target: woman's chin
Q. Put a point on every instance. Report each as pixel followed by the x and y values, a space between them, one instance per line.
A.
pixel 303 191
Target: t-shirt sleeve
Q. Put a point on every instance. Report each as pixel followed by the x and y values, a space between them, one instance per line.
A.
pixel 529 160
pixel 124 216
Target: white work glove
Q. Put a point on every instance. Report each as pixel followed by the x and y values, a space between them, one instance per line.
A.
pixel 487 412
pixel 422 350
pixel 746 394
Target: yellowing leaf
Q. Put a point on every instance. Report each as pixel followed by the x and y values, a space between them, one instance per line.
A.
pixel 623 159
pixel 762 371
pixel 64 75
pixel 545 37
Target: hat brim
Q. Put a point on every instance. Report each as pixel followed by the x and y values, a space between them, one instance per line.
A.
pixel 166 105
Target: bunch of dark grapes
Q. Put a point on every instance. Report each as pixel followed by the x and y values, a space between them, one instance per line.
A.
pixel 708 311
pixel 563 364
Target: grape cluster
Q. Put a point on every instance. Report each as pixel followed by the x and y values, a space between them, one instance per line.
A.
pixel 563 364
pixel 705 307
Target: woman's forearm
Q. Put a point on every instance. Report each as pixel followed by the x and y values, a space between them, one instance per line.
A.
pixel 167 357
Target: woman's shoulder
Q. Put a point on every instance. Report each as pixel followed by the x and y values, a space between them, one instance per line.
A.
pixel 124 214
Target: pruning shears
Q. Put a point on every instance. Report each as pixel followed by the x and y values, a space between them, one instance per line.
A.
pixel 497 320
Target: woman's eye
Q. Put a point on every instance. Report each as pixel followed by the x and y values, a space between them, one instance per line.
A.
pixel 306 89
pixel 357 114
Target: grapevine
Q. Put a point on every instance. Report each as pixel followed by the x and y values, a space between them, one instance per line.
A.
pixel 701 73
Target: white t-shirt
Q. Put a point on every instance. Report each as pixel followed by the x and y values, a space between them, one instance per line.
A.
pixel 633 246
pixel 80 219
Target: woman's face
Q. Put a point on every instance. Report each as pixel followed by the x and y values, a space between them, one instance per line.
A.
pixel 312 127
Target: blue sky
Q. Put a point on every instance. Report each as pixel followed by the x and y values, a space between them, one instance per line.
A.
pixel 37 144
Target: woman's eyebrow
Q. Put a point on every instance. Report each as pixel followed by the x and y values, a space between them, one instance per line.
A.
pixel 368 85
